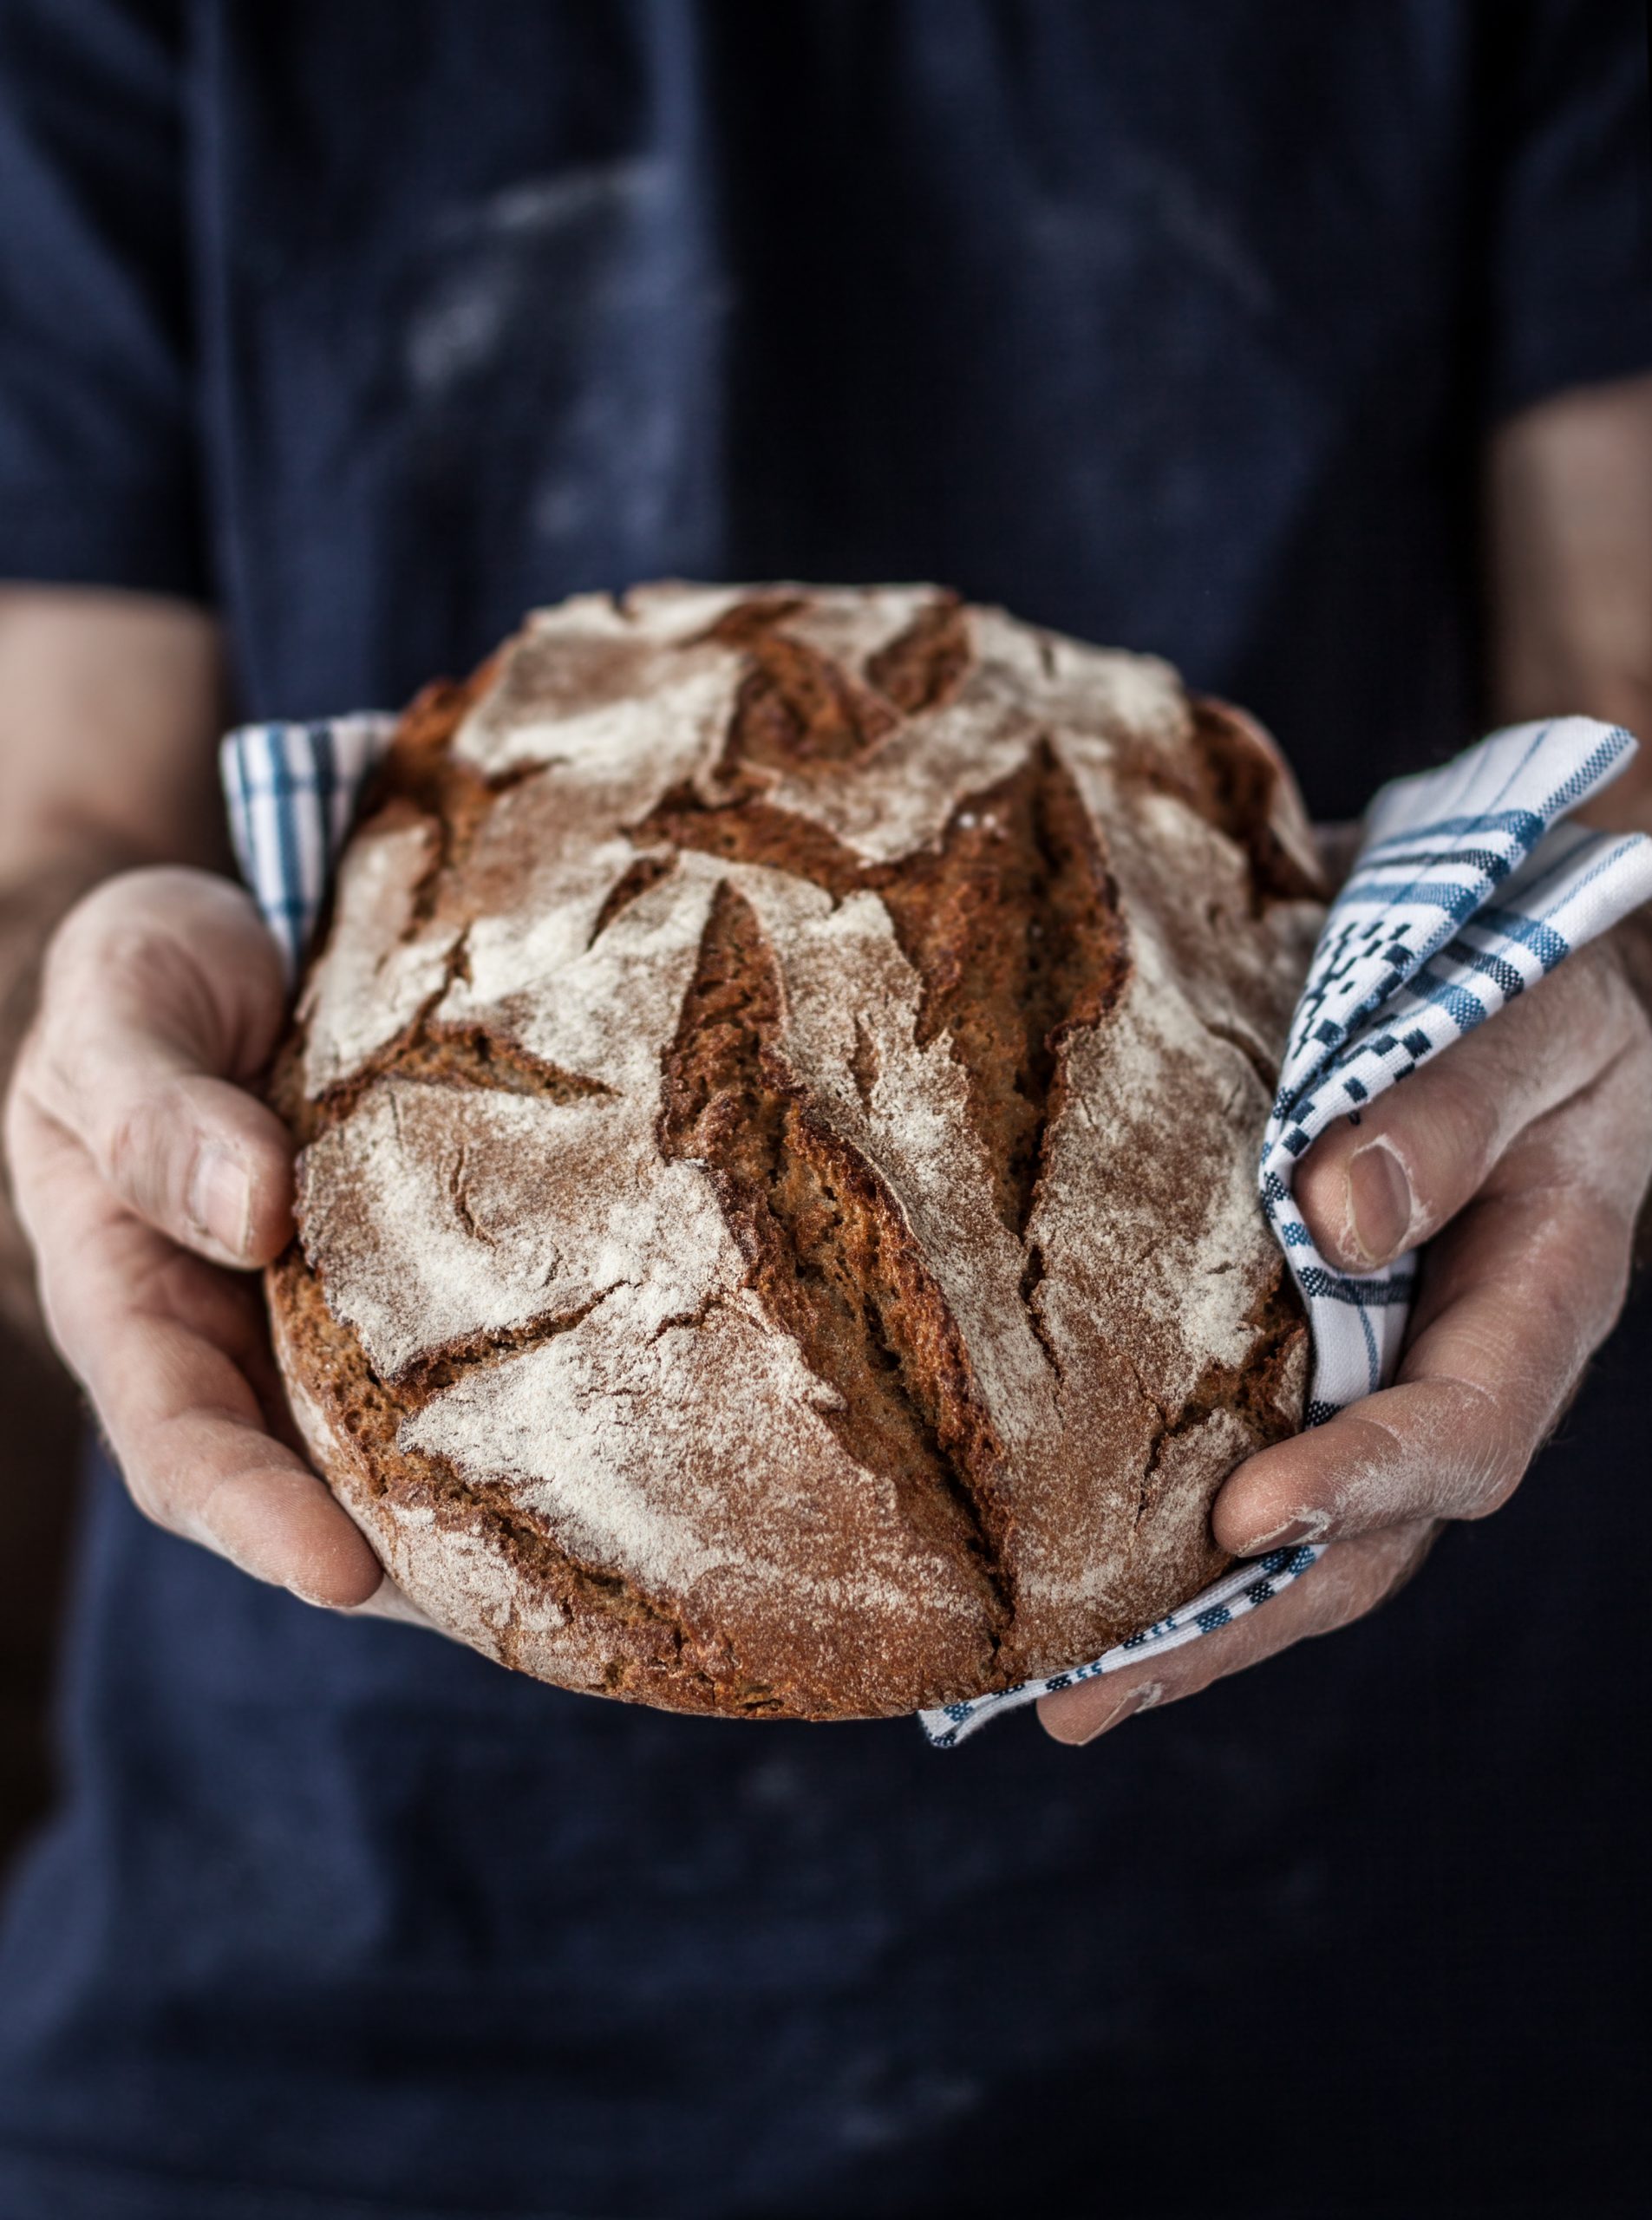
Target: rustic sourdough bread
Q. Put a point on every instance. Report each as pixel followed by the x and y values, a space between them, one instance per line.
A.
pixel 780 1092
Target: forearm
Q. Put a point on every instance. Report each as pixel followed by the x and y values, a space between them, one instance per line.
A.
pixel 1569 563
pixel 1569 571
pixel 108 707
pixel 1570 566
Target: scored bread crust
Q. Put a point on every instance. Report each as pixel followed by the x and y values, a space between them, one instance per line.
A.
pixel 780 1089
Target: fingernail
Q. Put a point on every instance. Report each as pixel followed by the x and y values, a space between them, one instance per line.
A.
pixel 1378 1202
pixel 1140 1698
pixel 1301 1526
pixel 221 1198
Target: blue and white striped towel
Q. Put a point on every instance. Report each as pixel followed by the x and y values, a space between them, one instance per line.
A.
pixel 291 792
pixel 1468 888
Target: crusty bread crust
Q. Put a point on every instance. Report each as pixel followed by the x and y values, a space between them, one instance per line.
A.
pixel 780 1092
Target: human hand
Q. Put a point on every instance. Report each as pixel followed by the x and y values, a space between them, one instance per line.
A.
pixel 1522 1156
pixel 152 1185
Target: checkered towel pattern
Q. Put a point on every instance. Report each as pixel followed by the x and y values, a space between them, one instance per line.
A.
pixel 291 792
pixel 1468 888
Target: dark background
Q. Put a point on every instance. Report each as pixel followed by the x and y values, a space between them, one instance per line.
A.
pixel 1361 1933
pixel 37 1461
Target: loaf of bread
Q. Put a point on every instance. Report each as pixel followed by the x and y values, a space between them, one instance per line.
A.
pixel 780 1090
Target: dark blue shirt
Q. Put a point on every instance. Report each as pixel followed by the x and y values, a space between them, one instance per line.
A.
pixel 1177 323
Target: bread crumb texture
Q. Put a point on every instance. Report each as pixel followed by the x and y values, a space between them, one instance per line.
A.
pixel 780 1094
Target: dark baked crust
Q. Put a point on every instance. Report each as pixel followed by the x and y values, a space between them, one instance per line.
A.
pixel 1011 925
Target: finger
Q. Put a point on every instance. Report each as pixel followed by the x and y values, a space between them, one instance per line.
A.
pixel 161 1341
pixel 1351 1578
pixel 1373 1190
pixel 162 997
pixel 1515 1295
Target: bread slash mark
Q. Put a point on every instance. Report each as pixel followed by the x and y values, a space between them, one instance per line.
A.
pixel 798 711
pixel 632 883
pixel 426 1377
pixel 828 1251
pixel 446 1055
pixel 923 667
pixel 1013 926
pixel 865 1063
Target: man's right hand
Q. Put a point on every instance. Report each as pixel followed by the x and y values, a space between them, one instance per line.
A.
pixel 152 1185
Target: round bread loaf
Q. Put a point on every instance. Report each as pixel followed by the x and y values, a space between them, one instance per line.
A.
pixel 780 1092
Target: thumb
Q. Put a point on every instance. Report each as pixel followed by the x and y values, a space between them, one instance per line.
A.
pixel 1374 1188
pixel 162 999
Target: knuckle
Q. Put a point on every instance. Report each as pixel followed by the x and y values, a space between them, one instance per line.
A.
pixel 155 1485
pixel 1497 1446
pixel 151 966
pixel 158 1507
pixel 20 1096
pixel 1375 1480
pixel 155 933
pixel 144 1148
pixel 98 931
pixel 142 1485
pixel 47 1056
pixel 1495 1491
pixel 1455 1127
